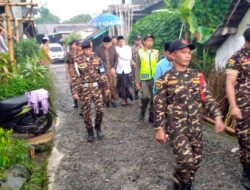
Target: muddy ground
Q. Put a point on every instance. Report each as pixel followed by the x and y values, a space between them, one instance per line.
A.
pixel 129 158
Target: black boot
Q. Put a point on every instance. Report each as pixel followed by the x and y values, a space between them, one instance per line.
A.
pixel 113 104
pixel 91 135
pixel 187 186
pixel 176 186
pixel 136 95
pixel 75 105
pixel 151 117
pixel 142 116
pixel 246 177
pixel 98 129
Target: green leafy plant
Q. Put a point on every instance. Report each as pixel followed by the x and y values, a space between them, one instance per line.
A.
pixel 33 70
pixel 12 150
pixel 164 25
pixel 72 37
pixel 27 48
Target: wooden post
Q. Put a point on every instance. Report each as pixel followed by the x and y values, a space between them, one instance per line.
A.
pixel 9 34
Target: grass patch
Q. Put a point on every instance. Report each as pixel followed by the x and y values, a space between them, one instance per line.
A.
pixel 38 167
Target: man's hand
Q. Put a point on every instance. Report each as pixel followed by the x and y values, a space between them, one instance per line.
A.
pixel 112 71
pixel 236 112
pixel 160 135
pixel 138 86
pixel 219 124
pixel 75 96
pixel 107 92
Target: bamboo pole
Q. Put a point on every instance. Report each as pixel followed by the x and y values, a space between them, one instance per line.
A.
pixel 227 129
pixel 19 4
pixel 19 19
pixel 9 34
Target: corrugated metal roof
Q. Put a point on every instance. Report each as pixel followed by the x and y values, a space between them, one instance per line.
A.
pixel 232 19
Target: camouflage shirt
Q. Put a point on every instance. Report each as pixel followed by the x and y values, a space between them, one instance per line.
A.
pixel 180 98
pixel 239 65
pixel 69 59
pixel 87 71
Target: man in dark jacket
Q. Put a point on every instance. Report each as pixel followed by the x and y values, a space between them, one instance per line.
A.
pixel 109 57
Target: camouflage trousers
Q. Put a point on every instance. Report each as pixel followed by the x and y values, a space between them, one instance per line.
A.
pixel 87 96
pixel 187 147
pixel 243 135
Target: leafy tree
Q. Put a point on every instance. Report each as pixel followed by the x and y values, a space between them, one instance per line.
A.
pixel 72 37
pixel 164 25
pixel 82 18
pixel 209 13
pixel 46 17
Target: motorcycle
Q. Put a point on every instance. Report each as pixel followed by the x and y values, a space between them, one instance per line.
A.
pixel 15 114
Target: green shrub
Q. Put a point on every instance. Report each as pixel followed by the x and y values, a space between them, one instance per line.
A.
pixel 12 150
pixel 27 48
pixel 72 37
pixel 27 76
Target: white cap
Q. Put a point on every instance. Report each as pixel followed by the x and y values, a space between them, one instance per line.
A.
pixel 46 38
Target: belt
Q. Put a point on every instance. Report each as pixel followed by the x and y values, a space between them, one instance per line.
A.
pixel 90 84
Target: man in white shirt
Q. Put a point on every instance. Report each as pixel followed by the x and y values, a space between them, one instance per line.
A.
pixel 3 47
pixel 123 70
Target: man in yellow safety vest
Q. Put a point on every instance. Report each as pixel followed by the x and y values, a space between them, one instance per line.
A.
pixel 147 59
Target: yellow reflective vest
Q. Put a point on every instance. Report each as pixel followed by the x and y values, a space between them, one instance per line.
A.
pixel 148 63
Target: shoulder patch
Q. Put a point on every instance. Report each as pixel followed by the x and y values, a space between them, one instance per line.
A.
pixel 159 84
pixel 231 61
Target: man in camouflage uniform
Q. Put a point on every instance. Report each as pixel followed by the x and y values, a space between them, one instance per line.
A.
pixel 238 92
pixel 69 59
pixel 87 82
pixel 181 93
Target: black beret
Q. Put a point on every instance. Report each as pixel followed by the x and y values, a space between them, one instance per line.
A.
pixel 86 44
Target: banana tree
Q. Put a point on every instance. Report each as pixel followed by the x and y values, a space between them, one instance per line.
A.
pixel 189 21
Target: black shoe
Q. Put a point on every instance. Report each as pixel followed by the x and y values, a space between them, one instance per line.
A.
pixel 113 105
pixel 246 181
pixel 98 129
pixel 187 186
pixel 107 105
pixel 175 186
pixel 246 176
pixel 91 135
pixel 75 105
pixel 151 117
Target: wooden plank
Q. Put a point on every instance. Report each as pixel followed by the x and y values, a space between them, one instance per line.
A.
pixel 41 139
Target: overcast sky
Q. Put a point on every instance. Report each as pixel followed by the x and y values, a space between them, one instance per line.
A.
pixel 67 9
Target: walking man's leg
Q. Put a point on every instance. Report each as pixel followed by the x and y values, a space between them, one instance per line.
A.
pixel 145 99
pixel 86 109
pixel 99 113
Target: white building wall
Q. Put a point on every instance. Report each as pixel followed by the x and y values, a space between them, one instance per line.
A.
pixel 232 44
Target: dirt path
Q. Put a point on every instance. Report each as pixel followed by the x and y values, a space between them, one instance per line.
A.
pixel 129 158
